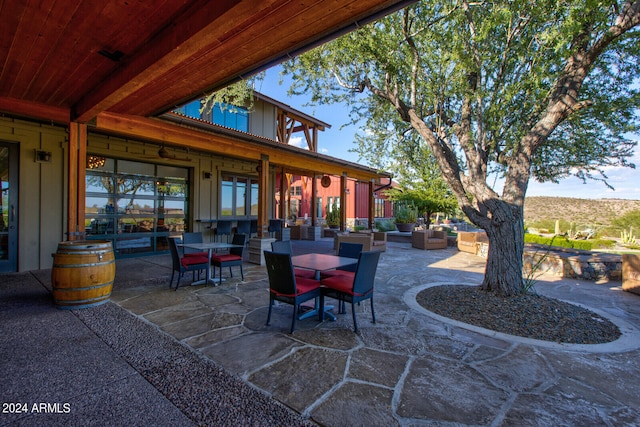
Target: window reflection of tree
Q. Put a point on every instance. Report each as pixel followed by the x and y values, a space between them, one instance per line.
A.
pixel 130 186
pixel 125 186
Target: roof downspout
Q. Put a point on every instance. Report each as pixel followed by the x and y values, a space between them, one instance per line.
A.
pixel 384 186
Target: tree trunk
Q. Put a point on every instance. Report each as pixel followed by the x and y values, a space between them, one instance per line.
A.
pixel 503 274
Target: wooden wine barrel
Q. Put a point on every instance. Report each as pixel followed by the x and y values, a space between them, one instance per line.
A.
pixel 83 273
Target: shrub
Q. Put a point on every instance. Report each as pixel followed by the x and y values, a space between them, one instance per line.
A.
pixel 385 225
pixel 333 216
pixel 561 241
pixel 405 215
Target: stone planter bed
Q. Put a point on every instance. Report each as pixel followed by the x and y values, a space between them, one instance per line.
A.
pixel 574 263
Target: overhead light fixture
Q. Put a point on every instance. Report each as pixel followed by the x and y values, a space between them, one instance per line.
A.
pixel 95 162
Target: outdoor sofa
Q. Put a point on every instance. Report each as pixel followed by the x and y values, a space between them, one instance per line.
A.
pixel 370 240
pixel 468 240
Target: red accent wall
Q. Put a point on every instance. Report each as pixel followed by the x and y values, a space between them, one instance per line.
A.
pixel 357 197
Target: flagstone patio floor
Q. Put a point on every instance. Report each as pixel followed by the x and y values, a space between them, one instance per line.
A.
pixel 203 355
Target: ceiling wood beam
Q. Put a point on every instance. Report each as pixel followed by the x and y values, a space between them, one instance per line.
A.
pixel 146 58
pixel 35 110
pixel 199 26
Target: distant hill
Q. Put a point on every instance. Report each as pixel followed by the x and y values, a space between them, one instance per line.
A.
pixel 579 211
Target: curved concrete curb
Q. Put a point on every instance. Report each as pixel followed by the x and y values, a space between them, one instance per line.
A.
pixel 628 341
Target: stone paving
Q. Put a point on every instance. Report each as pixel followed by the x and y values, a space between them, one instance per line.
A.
pixel 409 368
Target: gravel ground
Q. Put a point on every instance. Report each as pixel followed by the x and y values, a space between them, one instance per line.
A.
pixel 530 315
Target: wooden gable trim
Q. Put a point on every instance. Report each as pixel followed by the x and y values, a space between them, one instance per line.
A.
pixel 159 131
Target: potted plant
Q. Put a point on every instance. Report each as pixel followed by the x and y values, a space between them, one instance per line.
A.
pixel 333 217
pixel 405 218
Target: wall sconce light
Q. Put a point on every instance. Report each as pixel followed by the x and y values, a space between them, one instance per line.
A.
pixel 206 175
pixel 42 156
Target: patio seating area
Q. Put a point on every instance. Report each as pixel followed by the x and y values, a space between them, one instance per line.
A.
pixel 375 241
pixel 204 355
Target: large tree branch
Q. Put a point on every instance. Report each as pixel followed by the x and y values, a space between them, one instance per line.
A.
pixel 564 98
pixel 415 65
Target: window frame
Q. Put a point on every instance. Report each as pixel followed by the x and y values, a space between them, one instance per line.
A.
pixel 251 193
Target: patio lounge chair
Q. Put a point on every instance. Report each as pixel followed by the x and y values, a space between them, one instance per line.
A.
pixel 429 239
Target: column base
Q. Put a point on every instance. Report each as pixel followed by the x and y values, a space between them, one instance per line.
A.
pixel 256 247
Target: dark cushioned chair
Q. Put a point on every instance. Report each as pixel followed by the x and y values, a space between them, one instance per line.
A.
pixel 284 247
pixel 194 237
pixel 223 228
pixel 285 287
pixel 348 250
pixel 243 227
pixel 356 289
pixel 235 257
pixel 183 264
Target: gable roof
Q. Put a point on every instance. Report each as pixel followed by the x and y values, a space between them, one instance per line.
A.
pixel 67 61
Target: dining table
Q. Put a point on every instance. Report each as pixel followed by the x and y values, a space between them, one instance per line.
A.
pixel 209 247
pixel 319 263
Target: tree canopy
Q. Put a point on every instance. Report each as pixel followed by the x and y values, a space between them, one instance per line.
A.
pixel 522 89
pixel 422 186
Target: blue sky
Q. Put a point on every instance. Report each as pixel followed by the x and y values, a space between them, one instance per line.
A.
pixel 337 141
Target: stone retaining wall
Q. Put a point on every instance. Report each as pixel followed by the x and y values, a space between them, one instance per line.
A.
pixel 574 263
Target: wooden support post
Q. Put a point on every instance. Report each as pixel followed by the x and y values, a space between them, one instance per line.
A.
pixel 343 201
pixel 258 245
pixel 263 197
pixel 284 195
pixel 76 186
pixel 372 205
pixel 315 139
pixel 82 180
pixel 314 200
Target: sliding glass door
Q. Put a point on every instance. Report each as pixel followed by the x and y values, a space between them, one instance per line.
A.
pixel 8 207
pixel 134 204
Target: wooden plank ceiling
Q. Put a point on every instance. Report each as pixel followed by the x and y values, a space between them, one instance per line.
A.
pixel 64 60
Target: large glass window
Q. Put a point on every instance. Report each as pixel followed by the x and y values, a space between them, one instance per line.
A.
pixel 136 205
pixel 296 190
pixel 191 109
pixel 254 198
pixel 379 208
pixel 331 201
pixel 226 115
pixel 231 116
pixel 238 196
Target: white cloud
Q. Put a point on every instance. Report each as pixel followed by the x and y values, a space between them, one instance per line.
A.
pixel 324 150
pixel 297 141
